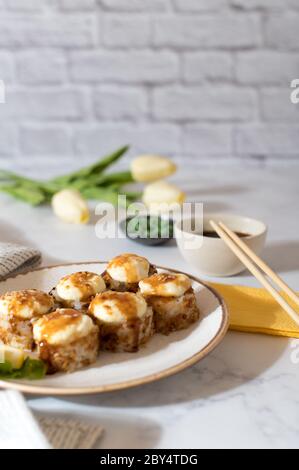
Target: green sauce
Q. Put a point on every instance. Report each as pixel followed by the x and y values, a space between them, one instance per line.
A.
pixel 149 227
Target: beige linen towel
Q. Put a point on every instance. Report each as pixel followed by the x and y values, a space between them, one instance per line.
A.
pixel 65 433
pixel 15 259
pixel 20 430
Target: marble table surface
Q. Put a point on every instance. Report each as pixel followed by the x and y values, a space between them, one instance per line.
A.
pixel 245 393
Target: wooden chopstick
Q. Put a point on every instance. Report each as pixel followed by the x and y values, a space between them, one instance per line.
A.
pixel 255 271
pixel 261 264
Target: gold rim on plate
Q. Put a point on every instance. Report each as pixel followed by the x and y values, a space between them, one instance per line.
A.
pixel 45 390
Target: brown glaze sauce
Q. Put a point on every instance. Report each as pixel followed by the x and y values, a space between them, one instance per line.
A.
pixel 19 299
pixel 158 279
pixel 124 261
pixel 124 301
pixel 156 282
pixel 58 320
pixel 82 280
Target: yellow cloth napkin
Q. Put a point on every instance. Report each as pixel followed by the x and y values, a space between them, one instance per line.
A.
pixel 255 311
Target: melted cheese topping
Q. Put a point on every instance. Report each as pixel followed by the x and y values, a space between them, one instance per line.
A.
pixel 25 304
pixel 116 307
pixel 165 285
pixel 61 327
pixel 128 268
pixel 80 286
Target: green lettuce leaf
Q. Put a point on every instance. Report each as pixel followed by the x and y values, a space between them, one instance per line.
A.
pixel 31 369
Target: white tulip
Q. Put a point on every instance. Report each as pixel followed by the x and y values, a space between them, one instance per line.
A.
pixel 151 168
pixel 159 196
pixel 70 206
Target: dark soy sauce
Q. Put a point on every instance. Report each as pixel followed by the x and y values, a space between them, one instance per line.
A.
pixel 213 234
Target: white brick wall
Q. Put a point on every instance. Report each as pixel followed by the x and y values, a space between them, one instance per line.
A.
pixel 282 32
pixel 6 67
pixel 150 137
pixel 199 67
pixel 262 139
pixel 200 80
pixel 43 105
pixel 47 140
pixel 132 30
pixel 266 67
pixel 114 102
pixel 217 103
pixel 276 106
pixel 134 5
pixel 208 31
pixel 131 66
pixel 8 136
pixel 34 68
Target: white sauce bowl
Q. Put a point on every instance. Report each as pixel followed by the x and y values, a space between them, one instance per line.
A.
pixel 211 256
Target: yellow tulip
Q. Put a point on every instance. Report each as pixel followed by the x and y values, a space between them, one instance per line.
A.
pixel 70 206
pixel 161 195
pixel 151 168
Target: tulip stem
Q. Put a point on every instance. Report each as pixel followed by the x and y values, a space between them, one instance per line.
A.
pixel 90 181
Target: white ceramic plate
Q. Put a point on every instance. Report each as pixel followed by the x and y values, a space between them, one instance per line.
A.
pixel 161 357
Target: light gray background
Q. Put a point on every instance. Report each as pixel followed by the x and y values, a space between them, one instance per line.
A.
pixel 204 81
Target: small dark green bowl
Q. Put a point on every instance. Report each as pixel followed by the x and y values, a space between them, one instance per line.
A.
pixel 150 230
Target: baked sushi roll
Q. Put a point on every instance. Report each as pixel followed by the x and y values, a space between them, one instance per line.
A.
pixel 173 301
pixel 66 340
pixel 77 290
pixel 17 310
pixel 124 318
pixel 125 271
